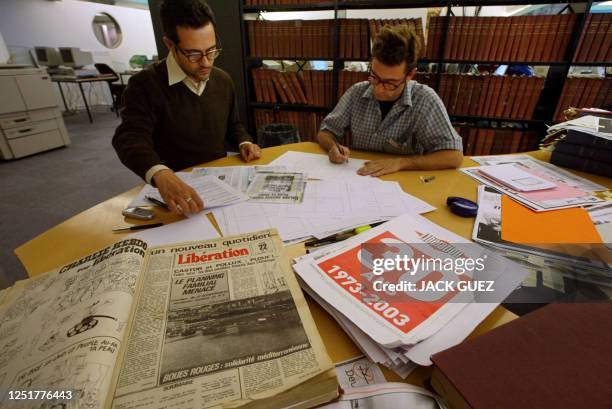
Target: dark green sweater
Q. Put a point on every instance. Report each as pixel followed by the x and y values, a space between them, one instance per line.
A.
pixel 170 125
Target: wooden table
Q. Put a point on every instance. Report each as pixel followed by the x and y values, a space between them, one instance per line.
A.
pixel 91 229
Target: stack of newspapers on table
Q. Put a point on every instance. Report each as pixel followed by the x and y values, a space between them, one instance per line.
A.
pixel 553 260
pixel 302 195
pixel 407 289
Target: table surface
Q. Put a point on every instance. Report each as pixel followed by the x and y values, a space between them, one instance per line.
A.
pixel 91 230
pixel 60 78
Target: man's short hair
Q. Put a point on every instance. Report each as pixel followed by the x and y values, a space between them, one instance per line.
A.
pixel 395 44
pixel 184 13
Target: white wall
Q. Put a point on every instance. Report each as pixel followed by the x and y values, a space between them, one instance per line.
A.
pixel 67 23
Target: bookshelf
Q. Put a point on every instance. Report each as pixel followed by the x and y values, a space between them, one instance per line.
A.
pixel 545 106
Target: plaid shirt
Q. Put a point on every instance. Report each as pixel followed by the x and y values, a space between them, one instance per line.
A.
pixel 416 124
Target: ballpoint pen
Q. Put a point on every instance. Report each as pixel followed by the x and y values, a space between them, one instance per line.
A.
pixel 140 227
pixel 334 238
pixel 157 202
pixel 339 149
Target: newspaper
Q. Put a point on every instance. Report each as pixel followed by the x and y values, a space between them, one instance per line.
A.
pixel 277 187
pixel 239 177
pixel 190 325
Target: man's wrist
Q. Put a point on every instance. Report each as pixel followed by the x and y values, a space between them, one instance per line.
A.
pixel 408 163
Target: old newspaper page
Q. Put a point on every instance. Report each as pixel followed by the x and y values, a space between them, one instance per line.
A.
pixel 60 332
pixel 215 323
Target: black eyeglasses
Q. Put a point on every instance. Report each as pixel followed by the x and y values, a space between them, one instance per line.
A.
pixel 196 56
pixel 388 85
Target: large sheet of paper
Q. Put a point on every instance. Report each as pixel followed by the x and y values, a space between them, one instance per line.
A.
pixel 196 227
pixel 318 166
pixel 328 206
pixel 213 191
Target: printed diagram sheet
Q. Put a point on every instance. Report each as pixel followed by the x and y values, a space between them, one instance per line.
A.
pixel 318 166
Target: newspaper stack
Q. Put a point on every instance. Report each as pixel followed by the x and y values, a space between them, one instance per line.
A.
pixel 570 190
pixel 554 262
pixel 406 289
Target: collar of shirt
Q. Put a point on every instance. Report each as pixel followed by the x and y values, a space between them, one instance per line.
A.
pixel 177 75
pixel 405 99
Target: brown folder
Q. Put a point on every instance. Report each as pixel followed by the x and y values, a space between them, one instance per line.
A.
pixel 554 357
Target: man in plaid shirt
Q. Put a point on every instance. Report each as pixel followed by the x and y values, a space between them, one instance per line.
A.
pixel 391 113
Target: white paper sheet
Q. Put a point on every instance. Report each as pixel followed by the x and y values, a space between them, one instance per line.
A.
pixel 197 227
pixel 318 166
pixel 213 191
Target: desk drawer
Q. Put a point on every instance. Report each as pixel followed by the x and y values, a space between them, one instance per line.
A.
pixel 30 129
pixel 29 145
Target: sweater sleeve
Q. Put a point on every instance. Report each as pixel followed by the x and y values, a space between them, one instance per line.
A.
pixel 236 133
pixel 133 139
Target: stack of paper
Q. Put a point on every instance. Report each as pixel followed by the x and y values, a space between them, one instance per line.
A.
pixel 406 290
pixel 589 261
pixel 328 206
pixel 568 191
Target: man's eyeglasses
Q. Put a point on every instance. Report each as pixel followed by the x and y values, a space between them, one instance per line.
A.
pixel 196 56
pixel 388 85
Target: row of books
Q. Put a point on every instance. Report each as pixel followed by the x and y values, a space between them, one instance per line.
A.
pixel 596 39
pixel 347 78
pixel 512 97
pixel 487 141
pixel 308 87
pixel 314 38
pixel 584 93
pixel 291 38
pixel 518 38
pixel 308 123
pixel 354 39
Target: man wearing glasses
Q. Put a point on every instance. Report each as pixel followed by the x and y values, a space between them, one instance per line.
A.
pixel 393 114
pixel 182 111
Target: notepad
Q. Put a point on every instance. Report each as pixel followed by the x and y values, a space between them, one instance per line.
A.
pixel 516 178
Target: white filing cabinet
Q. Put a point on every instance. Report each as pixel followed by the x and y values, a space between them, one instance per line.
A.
pixel 30 120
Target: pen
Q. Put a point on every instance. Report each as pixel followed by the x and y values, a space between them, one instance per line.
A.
pixel 140 227
pixel 157 202
pixel 338 146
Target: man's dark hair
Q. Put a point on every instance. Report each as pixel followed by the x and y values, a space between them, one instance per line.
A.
pixel 395 44
pixel 184 13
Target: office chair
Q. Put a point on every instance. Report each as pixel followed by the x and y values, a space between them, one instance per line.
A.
pixel 116 90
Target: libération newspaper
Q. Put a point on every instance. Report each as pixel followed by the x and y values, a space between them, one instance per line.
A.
pixel 200 324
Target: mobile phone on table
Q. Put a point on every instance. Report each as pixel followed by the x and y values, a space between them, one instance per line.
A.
pixel 138 213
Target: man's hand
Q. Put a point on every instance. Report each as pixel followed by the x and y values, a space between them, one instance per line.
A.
pixel 338 155
pixel 250 151
pixel 179 196
pixel 381 167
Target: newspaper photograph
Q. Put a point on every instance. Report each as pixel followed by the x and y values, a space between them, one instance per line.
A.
pixel 60 332
pixel 216 322
pixel 238 177
pixel 277 187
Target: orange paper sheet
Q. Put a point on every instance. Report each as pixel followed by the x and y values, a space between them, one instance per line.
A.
pixel 522 225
